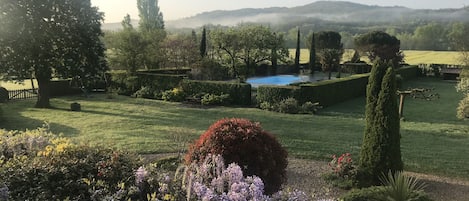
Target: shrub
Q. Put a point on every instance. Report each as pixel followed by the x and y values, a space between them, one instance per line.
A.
pixel 379 193
pixel 212 99
pixel 267 106
pixel 39 165
pixel 210 180
pixel 309 108
pixel 401 187
pixel 289 105
pixel 343 173
pixel 144 92
pixel 174 95
pixel 247 144
pixel 374 193
pixel 240 93
pixel 380 151
pixel 463 108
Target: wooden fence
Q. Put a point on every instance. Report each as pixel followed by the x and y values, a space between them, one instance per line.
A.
pixel 22 94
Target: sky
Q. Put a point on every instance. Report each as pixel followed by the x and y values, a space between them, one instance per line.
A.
pixel 115 10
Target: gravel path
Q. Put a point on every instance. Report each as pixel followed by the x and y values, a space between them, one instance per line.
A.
pixel 305 175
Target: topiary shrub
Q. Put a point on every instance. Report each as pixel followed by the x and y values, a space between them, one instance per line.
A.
pixel 381 150
pixel 245 143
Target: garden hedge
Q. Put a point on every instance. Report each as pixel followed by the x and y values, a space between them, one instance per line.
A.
pixel 240 93
pixel 331 92
pixel 408 72
pixel 63 88
pixel 275 94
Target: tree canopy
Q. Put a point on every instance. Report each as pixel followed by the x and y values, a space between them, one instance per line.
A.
pixel 329 48
pixel 379 44
pixel 150 16
pixel 245 46
pixel 48 39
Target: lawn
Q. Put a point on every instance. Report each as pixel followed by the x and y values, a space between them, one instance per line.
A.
pixel 433 140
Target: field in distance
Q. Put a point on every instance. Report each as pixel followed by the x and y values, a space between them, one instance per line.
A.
pixel 412 57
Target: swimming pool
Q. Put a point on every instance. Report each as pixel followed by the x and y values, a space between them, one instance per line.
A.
pixel 282 79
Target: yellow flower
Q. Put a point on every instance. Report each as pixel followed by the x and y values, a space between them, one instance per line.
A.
pixel 168 197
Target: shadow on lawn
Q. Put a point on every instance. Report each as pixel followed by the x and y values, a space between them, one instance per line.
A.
pixel 14 120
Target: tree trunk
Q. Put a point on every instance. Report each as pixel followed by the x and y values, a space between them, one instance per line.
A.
pixel 43 94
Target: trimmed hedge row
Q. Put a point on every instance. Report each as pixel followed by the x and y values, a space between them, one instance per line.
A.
pixel 275 94
pixel 240 93
pixel 408 72
pixel 63 88
pixel 328 92
pixel 331 92
pixel 171 71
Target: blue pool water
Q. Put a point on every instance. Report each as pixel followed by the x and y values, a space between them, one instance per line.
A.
pixel 280 80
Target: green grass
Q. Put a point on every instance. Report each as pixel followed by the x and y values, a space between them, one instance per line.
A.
pixel 433 140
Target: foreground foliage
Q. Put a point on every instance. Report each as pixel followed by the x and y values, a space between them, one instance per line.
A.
pixel 38 164
pixel 244 142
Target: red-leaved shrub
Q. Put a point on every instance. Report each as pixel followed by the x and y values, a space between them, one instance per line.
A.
pixel 243 142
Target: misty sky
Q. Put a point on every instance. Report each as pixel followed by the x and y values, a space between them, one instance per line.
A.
pixel 115 10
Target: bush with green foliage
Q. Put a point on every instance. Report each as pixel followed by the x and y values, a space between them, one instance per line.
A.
pixel 174 95
pixel 239 93
pixel 145 92
pixel 408 72
pixel 212 99
pixel 309 108
pixel 380 151
pixel 289 105
pixel 401 187
pixel 463 108
pixel 39 165
pixel 245 143
pixel 396 187
pixel 125 83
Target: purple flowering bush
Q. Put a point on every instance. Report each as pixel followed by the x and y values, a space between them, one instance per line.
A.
pixel 211 181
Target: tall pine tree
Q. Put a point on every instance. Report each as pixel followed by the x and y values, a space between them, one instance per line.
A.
pixel 203 43
pixel 312 54
pixel 150 15
pixel 297 53
pixel 380 151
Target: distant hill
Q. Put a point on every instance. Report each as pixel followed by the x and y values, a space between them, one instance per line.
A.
pixel 335 11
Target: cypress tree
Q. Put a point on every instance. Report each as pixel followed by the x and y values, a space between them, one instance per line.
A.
pixel 203 44
pixel 312 55
pixel 297 53
pixel 380 151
